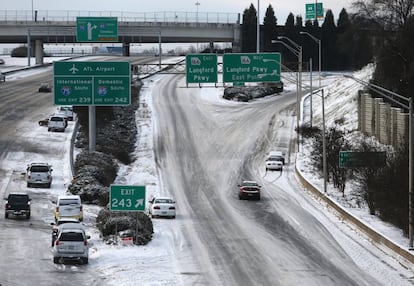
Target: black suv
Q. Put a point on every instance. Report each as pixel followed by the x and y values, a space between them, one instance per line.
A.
pixel 17 204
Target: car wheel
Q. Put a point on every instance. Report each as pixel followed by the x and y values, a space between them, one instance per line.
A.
pixel 28 216
pixel 48 129
pixel 85 260
pixel 6 215
pixel 48 185
pixel 173 217
pixel 28 185
pixel 55 260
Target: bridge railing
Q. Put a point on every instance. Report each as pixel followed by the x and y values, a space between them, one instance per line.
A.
pixel 28 16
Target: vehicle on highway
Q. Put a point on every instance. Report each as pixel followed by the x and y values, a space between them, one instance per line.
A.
pixel 45 87
pixel 66 111
pixel 57 123
pixel 249 190
pixel 39 174
pixel 277 154
pixel 68 206
pixel 57 226
pixel 17 204
pixel 44 122
pixel 71 244
pixel 274 163
pixel 161 207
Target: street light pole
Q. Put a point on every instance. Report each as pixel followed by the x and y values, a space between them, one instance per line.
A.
pixel 258 28
pixel 319 52
pixel 299 50
pixel 390 96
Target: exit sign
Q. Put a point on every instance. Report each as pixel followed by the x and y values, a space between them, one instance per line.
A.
pixel 350 159
pixel 97 29
pixel 127 198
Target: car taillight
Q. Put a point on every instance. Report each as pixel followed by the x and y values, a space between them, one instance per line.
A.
pixel 171 208
pixel 57 242
pixel 85 242
pixel 7 206
pixel 29 177
pixel 156 207
pixel 80 208
pixel 57 209
pixel 48 177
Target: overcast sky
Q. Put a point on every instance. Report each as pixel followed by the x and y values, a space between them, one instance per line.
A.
pixel 282 8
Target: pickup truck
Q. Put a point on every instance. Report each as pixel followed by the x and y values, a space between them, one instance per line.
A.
pixel 17 204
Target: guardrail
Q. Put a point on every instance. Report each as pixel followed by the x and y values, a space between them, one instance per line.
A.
pixel 380 240
pixel 28 16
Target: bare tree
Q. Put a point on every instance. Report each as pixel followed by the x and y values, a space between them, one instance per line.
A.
pixel 387 14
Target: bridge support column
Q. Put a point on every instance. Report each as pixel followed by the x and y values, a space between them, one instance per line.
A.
pixel 211 47
pixel 125 49
pixel 39 52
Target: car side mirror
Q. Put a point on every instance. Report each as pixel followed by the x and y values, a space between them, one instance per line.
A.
pixel 88 237
pixel 52 223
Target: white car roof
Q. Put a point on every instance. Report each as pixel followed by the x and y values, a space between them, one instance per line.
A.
pixel 71 225
pixel 69 197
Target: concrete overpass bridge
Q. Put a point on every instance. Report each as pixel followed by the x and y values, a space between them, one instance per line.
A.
pixel 36 28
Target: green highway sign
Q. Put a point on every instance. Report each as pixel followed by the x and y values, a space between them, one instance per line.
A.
pixel 97 29
pixel 127 198
pixel 92 83
pixel 259 67
pixel 310 11
pixel 349 159
pixel 201 68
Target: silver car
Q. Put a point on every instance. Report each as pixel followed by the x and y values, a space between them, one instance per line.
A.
pixel 39 174
pixel 71 244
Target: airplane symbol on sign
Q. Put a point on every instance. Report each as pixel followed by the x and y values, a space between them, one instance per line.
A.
pixel 73 69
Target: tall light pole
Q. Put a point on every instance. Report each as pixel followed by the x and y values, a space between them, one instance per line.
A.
pixel 197 4
pixel 258 28
pixel 324 165
pixel 390 95
pixel 320 61
pixel 297 51
pixel 319 52
pixel 32 12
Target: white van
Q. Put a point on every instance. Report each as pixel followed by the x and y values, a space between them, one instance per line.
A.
pixel 66 111
pixel 56 123
pixel 69 206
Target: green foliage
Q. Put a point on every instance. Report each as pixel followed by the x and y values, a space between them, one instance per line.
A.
pixel 138 223
pixel 335 141
pixel 19 52
pixel 249 30
pixel 269 29
pixel 386 189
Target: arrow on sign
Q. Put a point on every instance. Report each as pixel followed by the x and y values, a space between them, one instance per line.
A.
pixel 140 202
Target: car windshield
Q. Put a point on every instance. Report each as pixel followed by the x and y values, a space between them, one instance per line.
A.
pixel 67 202
pixel 18 198
pixel 275 158
pixel 57 118
pixel 250 184
pixel 71 236
pixel 39 169
pixel 163 201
